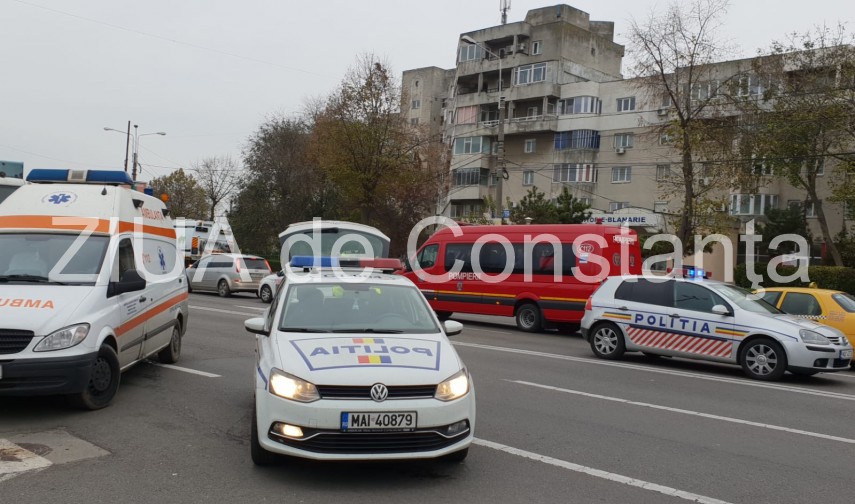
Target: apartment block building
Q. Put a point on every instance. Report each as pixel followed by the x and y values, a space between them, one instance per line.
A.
pixel 570 120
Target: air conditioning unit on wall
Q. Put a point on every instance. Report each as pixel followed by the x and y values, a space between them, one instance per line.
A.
pixel 620 150
pixel 662 112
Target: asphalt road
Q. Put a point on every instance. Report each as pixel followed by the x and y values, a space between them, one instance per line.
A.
pixel 554 425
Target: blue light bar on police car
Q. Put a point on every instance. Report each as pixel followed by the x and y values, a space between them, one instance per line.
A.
pixel 314 262
pixel 380 263
pixel 57 176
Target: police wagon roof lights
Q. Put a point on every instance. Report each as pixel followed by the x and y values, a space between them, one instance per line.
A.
pixel 380 263
pixel 58 176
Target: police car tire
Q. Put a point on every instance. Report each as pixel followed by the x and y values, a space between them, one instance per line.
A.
pixel 171 352
pixel 780 365
pixel 458 456
pixel 619 343
pixel 525 311
pixel 260 456
pixel 223 289
pixel 97 393
pixel 266 294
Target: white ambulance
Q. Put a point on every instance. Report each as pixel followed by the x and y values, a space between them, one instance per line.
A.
pixel 90 284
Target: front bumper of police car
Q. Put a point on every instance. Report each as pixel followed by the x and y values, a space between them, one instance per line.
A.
pixel 822 349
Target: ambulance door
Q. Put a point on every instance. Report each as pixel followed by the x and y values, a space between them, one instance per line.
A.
pixel 698 330
pixel 129 305
pixel 163 287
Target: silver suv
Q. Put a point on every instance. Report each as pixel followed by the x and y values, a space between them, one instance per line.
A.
pixel 227 273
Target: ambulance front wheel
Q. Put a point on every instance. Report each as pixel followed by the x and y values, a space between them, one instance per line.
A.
pixel 103 381
pixel 529 318
pixel 607 341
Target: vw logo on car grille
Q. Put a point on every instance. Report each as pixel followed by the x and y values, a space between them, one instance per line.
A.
pixel 379 392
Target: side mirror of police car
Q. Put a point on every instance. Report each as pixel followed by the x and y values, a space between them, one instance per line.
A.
pixel 280 273
pixel 256 326
pixel 721 310
pixel 452 328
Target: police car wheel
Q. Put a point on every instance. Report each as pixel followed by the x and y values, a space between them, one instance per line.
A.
pixel 607 341
pixel 458 456
pixel 260 456
pixel 266 294
pixel 528 317
pixel 172 352
pixel 223 289
pixel 103 381
pixel 763 359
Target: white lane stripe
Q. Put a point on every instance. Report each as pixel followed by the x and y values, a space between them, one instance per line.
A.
pixel 598 473
pixel 220 310
pixel 17 460
pixel 250 307
pixel 743 382
pixel 184 369
pixel 689 412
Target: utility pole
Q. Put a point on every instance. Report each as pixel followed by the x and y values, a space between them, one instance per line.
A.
pixel 136 146
pixel 127 146
pixel 505 6
pixel 500 177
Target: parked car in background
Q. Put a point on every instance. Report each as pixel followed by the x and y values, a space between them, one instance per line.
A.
pixel 227 273
pixel 830 307
pixel 269 284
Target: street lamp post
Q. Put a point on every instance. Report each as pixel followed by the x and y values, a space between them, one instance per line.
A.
pixel 501 133
pixel 137 136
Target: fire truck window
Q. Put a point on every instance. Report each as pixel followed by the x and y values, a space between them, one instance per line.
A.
pixel 427 257
pixel 458 252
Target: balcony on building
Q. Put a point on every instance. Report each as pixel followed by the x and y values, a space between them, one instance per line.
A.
pixel 511 47
pixel 469 183
pixel 529 116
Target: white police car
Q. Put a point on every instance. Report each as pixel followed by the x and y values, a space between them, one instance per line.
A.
pixel 268 285
pixel 353 364
pixel 708 320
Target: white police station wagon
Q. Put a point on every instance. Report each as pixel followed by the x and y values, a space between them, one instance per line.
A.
pixel 353 364
pixel 708 320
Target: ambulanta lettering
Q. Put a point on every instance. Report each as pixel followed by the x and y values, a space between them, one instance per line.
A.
pixel 26 303
pixel 667 322
pixel 152 214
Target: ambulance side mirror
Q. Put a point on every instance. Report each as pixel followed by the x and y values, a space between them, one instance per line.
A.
pixel 256 326
pixel 721 310
pixel 452 328
pixel 131 281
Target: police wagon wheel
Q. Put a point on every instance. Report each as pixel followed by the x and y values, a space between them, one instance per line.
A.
pixel 172 352
pixel 266 294
pixel 528 317
pixel 223 289
pixel 607 342
pixel 103 381
pixel 260 456
pixel 763 359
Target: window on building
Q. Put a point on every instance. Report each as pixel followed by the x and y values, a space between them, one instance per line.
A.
pixel 459 210
pixel 468 177
pixel 705 90
pixel 416 104
pixel 572 172
pixel 532 112
pixel 470 52
pixel 626 104
pixel 621 174
pixel 467 115
pixel 749 85
pixel 665 139
pixel 529 74
pixel 666 100
pixel 536 47
pixel 623 140
pixel 528 178
pixel 577 139
pixel 580 105
pixel 752 204
pixel 760 167
pixel 414 121
pixel 663 172
pixel 617 205
pixel 530 145
pixel 660 206
pixel 416 83
pixel 471 145
pixel 810 209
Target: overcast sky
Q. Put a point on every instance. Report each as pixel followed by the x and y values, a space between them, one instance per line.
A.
pixel 208 72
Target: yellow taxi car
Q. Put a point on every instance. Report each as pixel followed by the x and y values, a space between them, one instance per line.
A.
pixel 830 307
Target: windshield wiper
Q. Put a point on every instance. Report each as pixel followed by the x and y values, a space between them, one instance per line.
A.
pixel 29 278
pixel 301 329
pixel 369 330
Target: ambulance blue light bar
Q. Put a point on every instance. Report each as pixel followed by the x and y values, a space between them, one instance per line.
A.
pixel 55 176
pixel 381 263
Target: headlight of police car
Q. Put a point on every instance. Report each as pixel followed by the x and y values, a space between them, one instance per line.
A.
pixel 289 386
pixel 813 337
pixel 453 388
pixel 64 338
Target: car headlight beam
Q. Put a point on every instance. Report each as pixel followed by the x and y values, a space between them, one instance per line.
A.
pixel 813 337
pixel 453 388
pixel 290 387
pixel 64 338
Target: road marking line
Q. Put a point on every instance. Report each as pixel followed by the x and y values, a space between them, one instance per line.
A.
pixel 16 460
pixel 186 370
pixel 251 307
pixel 746 382
pixel 220 310
pixel 598 473
pixel 689 412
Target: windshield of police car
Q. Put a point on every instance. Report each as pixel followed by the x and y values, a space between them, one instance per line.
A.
pixel 46 257
pixel 744 298
pixel 356 307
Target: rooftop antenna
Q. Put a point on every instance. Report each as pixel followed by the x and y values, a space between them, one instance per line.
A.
pixel 504 6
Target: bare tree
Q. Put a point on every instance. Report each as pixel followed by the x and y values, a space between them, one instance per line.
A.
pixel 675 57
pixel 218 177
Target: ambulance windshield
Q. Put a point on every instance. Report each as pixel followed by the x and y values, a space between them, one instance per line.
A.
pixel 356 308
pixel 54 258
